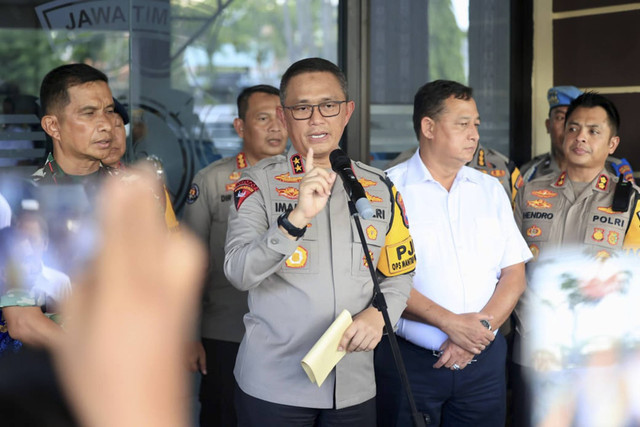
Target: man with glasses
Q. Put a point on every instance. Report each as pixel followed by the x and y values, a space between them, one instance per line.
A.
pixel 293 246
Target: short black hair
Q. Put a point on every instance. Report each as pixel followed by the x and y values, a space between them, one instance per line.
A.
pixel 592 100
pixel 243 98
pixel 54 88
pixel 312 65
pixel 430 98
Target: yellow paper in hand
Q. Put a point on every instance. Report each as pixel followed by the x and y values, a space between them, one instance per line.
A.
pixel 324 354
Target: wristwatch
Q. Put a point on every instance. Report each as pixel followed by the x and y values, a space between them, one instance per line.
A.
pixel 486 324
pixel 283 221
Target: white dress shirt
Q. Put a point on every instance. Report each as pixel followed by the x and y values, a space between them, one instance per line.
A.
pixel 463 239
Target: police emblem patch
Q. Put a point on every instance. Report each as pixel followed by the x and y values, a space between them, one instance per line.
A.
pixel 242 190
pixel 194 192
pixel 241 161
pixel 400 203
pixel 298 258
pixel 372 233
pixel 598 234
pixel 534 231
pixel 234 176
pixel 612 238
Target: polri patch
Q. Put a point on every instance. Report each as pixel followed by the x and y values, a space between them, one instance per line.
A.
pixel 194 192
pixel 298 258
pixel 243 189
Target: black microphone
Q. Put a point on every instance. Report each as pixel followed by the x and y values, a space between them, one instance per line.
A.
pixel 341 164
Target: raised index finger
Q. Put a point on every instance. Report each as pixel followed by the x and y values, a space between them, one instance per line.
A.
pixel 309 163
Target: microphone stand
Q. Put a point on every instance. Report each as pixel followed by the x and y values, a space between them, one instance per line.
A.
pixel 380 303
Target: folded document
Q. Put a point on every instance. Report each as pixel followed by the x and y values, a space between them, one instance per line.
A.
pixel 324 354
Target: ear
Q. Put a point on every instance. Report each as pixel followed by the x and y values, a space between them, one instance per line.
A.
pixel 280 114
pixel 427 125
pixel 51 126
pixel 613 143
pixel 350 107
pixel 238 125
pixel 547 124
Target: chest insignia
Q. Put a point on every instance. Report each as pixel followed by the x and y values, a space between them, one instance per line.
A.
pixel 234 176
pixel 598 234
pixel 289 192
pixel 364 259
pixel 285 177
pixel 602 183
pixel 194 192
pixel 612 238
pixel 296 164
pixel 535 251
pixel 603 255
pixel 372 233
pixel 298 259
pixel 367 183
pixel 498 173
pixel 607 209
pixel 373 198
pixel 230 187
pixel 544 193
pixel 534 231
pixel 539 204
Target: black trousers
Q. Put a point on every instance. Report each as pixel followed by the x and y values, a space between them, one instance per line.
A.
pixel 218 386
pixel 473 396
pixel 253 412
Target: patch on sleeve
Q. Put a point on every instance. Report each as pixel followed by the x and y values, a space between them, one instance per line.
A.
pixel 403 211
pixel 194 192
pixel 400 257
pixel 243 189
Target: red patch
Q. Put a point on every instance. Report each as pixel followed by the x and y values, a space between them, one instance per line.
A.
pixel 242 190
pixel 296 164
pixel 519 181
pixel 400 203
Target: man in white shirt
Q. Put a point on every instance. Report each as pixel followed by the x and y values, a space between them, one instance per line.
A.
pixel 469 272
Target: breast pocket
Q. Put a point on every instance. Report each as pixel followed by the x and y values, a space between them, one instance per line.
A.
pixel 375 234
pixel 490 241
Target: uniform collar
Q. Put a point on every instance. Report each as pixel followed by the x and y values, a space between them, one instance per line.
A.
pixel 417 172
pixel 241 160
pixel 601 183
pixel 53 171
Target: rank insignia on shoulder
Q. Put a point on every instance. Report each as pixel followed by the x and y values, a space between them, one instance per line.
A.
pixel 194 192
pixel 241 161
pixel 242 190
pixel 602 183
pixel 560 181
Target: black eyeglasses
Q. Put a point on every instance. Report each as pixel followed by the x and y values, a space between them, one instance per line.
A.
pixel 305 111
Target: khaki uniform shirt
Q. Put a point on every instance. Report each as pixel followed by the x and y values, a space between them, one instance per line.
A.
pixel 206 213
pixel 551 218
pixel 297 288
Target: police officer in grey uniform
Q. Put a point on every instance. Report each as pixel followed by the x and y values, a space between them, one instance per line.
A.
pixel 585 206
pixel 206 212
pixel 486 160
pixel 559 98
pixel 293 245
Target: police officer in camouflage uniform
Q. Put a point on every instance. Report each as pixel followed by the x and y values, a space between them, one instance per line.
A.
pixel 559 98
pixel 223 306
pixel 292 244
pixel 584 206
pixel 486 160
